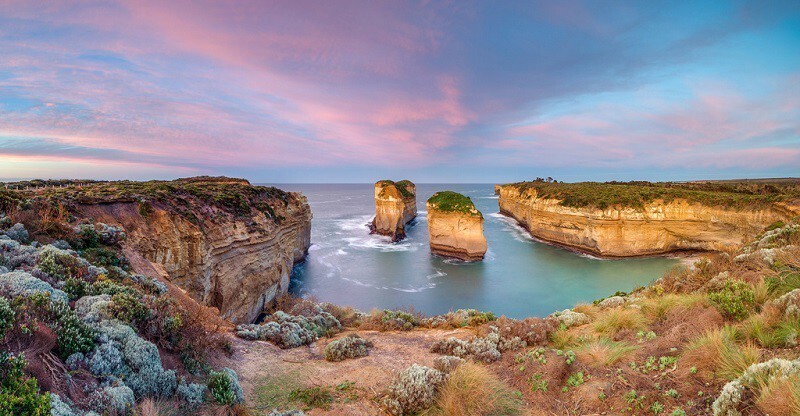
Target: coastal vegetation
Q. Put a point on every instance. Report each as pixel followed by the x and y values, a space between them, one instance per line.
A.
pixel 634 194
pixel 47 204
pixel 449 201
pixel 406 187
pixel 81 331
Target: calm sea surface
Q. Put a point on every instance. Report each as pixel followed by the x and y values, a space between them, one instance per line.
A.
pixel 519 277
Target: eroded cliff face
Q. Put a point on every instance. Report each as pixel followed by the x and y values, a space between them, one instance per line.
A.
pixel 236 263
pixel 656 228
pixel 395 206
pixel 456 234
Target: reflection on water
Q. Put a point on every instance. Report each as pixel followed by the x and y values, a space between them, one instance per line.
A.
pixel 519 277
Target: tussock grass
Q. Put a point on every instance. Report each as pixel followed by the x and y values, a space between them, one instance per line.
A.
pixel 156 407
pixel 717 356
pixel 780 396
pixel 615 320
pixel 474 390
pixel 587 309
pixel 657 308
pixel 603 352
pixel 769 329
pixel 563 339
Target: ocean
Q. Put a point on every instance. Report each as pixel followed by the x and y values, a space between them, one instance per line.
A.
pixel 519 277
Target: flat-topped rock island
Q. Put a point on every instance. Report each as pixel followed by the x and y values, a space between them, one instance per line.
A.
pixel 455 227
pixel 395 207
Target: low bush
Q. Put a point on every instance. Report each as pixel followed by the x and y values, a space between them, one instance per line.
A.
pixel 413 390
pixel 486 349
pixel 19 395
pixel 6 318
pixel 735 300
pixel 224 387
pixel 447 363
pixel 351 346
pixel 128 308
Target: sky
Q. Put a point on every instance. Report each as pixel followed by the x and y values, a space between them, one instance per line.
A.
pixel 344 91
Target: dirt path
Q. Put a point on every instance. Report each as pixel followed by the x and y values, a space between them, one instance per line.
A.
pixel 268 374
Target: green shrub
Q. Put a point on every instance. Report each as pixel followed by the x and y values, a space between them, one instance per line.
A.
pixel 224 387
pixel 734 300
pixel 73 334
pixel 19 395
pixel 450 201
pixel 128 308
pixel 398 320
pixel 6 318
pixel 104 257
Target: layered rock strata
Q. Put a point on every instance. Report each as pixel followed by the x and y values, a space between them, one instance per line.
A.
pixel 657 227
pixel 228 244
pixel 455 227
pixel 395 207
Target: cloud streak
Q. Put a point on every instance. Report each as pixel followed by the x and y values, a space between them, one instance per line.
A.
pixel 349 86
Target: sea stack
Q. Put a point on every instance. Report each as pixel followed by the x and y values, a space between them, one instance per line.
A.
pixel 455 227
pixel 395 206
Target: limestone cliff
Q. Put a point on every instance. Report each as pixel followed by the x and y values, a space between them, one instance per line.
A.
pixel 227 243
pixel 655 227
pixel 395 206
pixel 455 227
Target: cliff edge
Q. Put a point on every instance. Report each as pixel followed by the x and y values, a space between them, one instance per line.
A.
pixel 635 219
pixel 395 206
pixel 455 227
pixel 229 244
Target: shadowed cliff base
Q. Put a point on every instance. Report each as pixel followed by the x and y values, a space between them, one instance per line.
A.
pixel 395 208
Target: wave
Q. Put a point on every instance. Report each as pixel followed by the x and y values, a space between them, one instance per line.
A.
pixel 520 234
pixel 383 244
pixel 436 275
pixel 398 289
pixel 511 225
pixel 355 223
pixel 489 197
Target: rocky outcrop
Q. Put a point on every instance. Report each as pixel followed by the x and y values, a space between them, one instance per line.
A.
pixel 395 207
pixel 657 227
pixel 229 245
pixel 455 227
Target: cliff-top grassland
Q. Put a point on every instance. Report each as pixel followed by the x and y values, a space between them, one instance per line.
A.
pixel 449 201
pixel 728 194
pixel 88 324
pixel 402 186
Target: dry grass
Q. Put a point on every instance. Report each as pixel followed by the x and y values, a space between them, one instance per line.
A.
pixel 603 352
pixel 761 292
pixel 717 356
pixel 587 309
pixel 155 407
pixel 780 396
pixel 563 339
pixel 219 410
pixel 657 308
pixel 473 390
pixel 616 320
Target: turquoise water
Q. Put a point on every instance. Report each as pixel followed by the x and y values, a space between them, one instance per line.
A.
pixel 520 276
